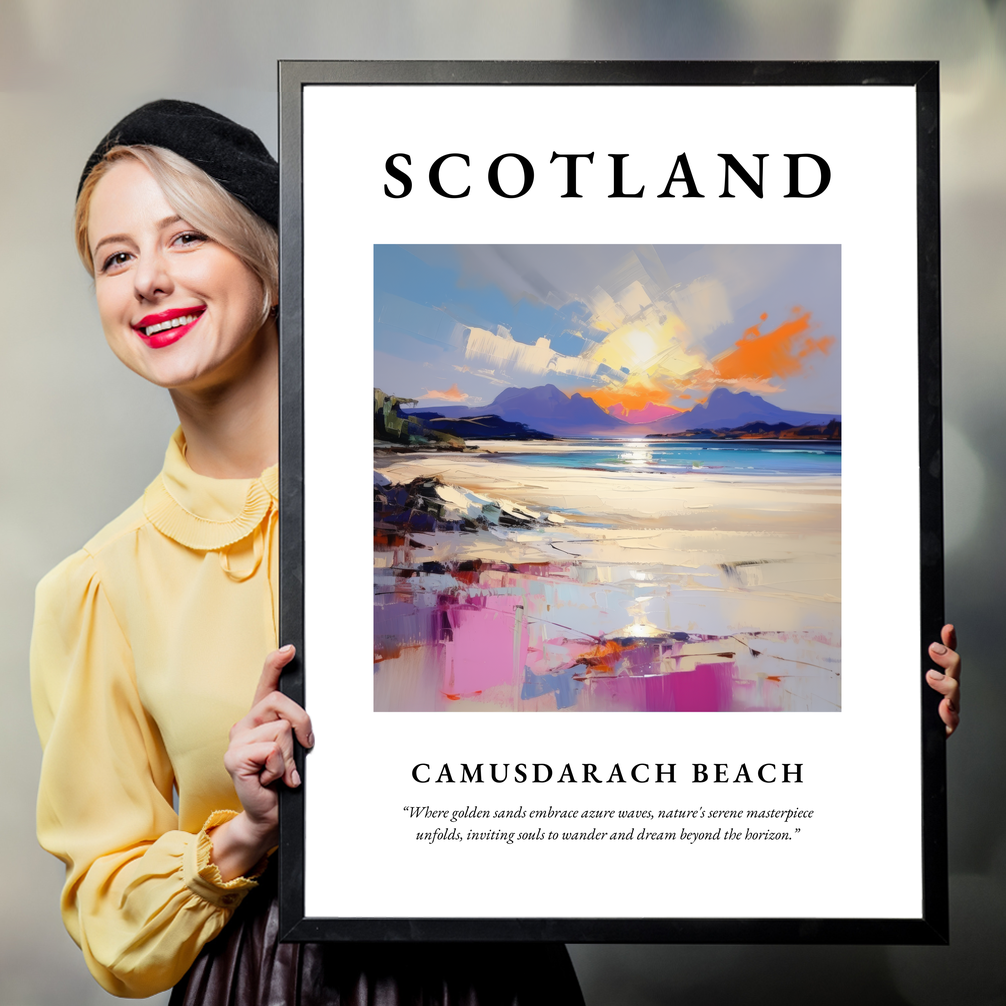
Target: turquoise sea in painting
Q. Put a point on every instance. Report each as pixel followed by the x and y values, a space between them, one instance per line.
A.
pixel 751 457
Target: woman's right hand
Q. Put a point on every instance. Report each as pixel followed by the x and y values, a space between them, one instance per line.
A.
pixel 260 753
pixel 948 681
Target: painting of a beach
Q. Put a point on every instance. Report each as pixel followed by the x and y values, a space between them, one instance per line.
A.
pixel 607 478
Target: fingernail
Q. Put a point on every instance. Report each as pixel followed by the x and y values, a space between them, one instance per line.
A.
pixel 295 777
pixel 310 740
pixel 287 649
pixel 938 648
pixel 936 675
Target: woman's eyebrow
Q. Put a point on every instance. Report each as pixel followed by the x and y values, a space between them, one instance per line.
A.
pixel 160 225
pixel 109 240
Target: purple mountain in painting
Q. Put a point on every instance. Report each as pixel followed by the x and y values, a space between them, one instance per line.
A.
pixel 547 408
pixel 544 408
pixel 727 409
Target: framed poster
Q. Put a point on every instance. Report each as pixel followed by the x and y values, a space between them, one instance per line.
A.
pixel 611 499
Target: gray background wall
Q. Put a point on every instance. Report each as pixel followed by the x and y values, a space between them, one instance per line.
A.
pixel 82 436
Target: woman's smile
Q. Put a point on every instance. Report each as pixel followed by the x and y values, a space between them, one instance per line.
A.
pixel 166 327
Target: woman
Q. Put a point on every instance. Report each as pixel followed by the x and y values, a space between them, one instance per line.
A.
pixel 149 642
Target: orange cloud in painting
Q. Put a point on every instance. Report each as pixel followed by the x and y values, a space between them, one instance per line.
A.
pixel 635 397
pixel 451 394
pixel 779 353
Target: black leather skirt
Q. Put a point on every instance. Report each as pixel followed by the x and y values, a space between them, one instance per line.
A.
pixel 246 965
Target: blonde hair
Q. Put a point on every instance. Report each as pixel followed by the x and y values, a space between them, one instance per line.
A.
pixel 199 200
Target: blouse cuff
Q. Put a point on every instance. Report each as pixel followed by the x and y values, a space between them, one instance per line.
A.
pixel 202 876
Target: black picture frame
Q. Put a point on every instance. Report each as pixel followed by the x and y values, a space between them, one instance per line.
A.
pixel 932 925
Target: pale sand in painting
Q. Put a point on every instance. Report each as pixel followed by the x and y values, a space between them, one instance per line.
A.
pixel 577 589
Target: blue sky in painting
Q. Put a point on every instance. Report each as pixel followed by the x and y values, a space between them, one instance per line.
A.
pixel 457 324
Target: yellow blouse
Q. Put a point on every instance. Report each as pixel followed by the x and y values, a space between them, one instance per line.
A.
pixel 147 647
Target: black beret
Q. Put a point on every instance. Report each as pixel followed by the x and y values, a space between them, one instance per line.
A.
pixel 230 154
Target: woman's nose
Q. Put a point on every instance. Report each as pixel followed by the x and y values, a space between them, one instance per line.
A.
pixel 152 277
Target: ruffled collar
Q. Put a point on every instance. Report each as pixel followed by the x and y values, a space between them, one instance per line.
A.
pixel 203 513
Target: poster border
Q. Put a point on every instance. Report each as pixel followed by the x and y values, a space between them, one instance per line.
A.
pixel 294 75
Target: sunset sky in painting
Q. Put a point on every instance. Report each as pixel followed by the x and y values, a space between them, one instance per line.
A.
pixel 645 331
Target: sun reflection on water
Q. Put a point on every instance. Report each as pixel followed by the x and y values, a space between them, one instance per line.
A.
pixel 637 454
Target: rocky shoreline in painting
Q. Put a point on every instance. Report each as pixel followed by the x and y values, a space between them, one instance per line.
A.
pixel 507 585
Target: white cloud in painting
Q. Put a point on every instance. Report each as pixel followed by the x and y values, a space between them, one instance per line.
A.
pixel 504 354
pixel 658 339
pixel 641 327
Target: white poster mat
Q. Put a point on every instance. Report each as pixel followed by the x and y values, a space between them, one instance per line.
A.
pixel 860 854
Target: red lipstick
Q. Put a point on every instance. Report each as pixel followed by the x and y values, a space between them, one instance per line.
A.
pixel 166 327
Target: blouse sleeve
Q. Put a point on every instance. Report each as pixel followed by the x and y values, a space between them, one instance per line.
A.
pixel 141 898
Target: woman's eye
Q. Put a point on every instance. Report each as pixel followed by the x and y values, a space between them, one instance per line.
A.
pixel 190 238
pixel 114 261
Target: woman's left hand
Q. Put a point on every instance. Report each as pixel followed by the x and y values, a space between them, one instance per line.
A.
pixel 948 681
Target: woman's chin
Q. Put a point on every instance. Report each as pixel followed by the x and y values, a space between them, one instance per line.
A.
pixel 193 364
pixel 173 374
